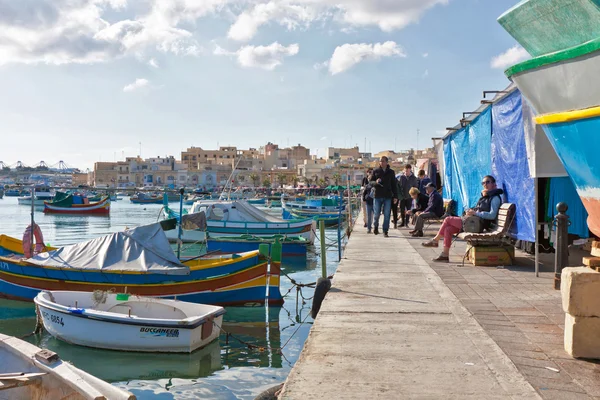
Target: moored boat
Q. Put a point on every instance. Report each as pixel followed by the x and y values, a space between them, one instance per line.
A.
pixel 128 322
pixel 77 205
pixel 257 202
pixel 291 245
pixel 562 85
pixel 42 194
pixel 143 198
pixel 234 218
pixel 12 192
pixel 140 261
pixel 30 373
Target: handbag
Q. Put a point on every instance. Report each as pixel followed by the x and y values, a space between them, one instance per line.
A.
pixel 473 224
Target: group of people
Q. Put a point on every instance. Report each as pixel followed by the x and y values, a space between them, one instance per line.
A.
pixel 404 197
pixel 417 199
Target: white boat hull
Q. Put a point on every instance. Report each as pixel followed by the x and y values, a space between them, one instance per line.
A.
pixel 115 330
pixel 45 380
pixel 27 202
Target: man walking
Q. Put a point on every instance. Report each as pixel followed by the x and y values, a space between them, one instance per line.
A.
pixel 386 193
pixel 407 181
pixel 435 209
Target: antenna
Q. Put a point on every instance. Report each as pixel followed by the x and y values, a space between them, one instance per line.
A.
pixel 418 130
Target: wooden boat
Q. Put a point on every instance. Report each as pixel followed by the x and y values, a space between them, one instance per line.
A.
pixel 257 202
pixel 291 245
pixel 140 261
pixel 30 373
pixel 128 322
pixel 42 195
pixel 142 198
pixel 12 193
pixel 76 204
pixel 561 83
pixel 323 205
pixel 235 218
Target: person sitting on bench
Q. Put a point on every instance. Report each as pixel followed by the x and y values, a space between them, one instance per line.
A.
pixel 487 209
pixel 435 209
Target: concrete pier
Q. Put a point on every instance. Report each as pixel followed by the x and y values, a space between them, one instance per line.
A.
pixel 390 328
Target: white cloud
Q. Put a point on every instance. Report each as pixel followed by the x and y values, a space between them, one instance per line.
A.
pixel 510 57
pixel 348 55
pixel 264 57
pixel 153 63
pixel 138 84
pixel 425 55
pixel 78 31
pixel 388 15
pixel 324 138
pixel 425 74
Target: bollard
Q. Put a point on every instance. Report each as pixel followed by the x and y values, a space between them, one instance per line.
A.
pixel 323 249
pixel 561 257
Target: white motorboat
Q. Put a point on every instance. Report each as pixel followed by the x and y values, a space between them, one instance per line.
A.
pixel 30 373
pixel 128 322
pixel 42 194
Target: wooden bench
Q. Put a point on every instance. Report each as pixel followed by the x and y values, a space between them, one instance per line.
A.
pixel 498 236
pixel 449 211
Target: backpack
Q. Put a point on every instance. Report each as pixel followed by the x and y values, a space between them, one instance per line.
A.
pixel 473 224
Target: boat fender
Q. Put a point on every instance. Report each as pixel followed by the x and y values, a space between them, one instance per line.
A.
pixel 39 241
pixel 323 286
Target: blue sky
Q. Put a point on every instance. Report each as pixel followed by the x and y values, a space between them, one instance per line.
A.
pixel 88 80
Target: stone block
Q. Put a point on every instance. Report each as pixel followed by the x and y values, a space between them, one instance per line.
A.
pixel 579 288
pixel 581 336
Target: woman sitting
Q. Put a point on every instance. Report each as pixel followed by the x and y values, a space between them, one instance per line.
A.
pixel 419 202
pixel 487 209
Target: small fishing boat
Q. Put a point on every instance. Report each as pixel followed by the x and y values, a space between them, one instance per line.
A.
pixel 128 322
pixel 234 218
pixel 257 202
pixel 332 218
pixel 274 203
pixel 322 205
pixel 140 261
pixel 143 198
pixel 291 245
pixel 42 194
pixel 74 204
pixel 30 373
pixel 12 193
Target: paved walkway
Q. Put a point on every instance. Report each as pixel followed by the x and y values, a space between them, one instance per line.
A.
pixel 390 328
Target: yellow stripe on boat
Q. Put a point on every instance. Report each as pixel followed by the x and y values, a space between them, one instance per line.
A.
pixel 567 116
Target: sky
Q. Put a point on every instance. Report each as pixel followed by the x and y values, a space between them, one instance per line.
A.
pixel 98 80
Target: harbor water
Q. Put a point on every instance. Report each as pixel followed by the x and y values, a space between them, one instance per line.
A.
pixel 239 366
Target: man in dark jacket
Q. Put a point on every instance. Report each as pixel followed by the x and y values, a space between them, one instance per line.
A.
pixel 386 193
pixel 435 209
pixel 406 181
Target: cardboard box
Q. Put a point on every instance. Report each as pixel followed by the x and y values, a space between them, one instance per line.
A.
pixel 489 256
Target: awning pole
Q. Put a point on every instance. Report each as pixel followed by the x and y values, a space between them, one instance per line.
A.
pixel 537 230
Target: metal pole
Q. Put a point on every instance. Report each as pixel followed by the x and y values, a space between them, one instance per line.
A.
pixel 180 230
pixel 323 249
pixel 537 230
pixel 32 212
pixel 339 230
pixel 561 257
pixel 349 206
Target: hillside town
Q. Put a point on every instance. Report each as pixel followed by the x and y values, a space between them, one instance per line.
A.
pixel 267 166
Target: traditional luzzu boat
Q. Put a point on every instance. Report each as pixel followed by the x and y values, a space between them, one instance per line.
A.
pixel 235 218
pixel 74 204
pixel 291 245
pixel 140 261
pixel 561 83
pixel 30 373
pixel 127 322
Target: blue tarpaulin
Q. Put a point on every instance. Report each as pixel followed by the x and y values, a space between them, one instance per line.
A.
pixel 562 189
pixel 468 159
pixel 509 162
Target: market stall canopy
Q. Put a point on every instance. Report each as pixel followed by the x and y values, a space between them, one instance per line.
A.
pixel 144 249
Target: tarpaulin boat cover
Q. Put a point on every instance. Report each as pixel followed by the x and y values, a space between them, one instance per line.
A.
pixel 509 162
pixel 143 249
pixel 467 159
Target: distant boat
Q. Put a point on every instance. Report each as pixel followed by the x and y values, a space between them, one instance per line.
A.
pixel 28 372
pixel 143 198
pixel 128 322
pixel 42 194
pixel 12 193
pixel 256 202
pixel 76 205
